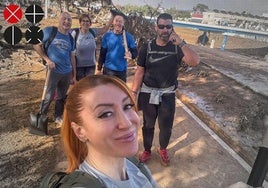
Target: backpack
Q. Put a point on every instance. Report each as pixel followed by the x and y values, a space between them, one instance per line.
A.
pixel 77 33
pixel 150 51
pixel 82 179
pixel 51 37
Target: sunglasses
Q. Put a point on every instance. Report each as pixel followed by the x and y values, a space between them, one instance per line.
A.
pixel 164 26
pixel 85 21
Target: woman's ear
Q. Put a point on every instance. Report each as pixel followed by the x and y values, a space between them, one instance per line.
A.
pixel 79 131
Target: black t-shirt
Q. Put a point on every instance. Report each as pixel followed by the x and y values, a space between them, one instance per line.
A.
pixel 161 64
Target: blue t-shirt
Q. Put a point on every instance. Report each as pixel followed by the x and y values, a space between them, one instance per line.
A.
pixel 59 51
pixel 114 44
pixel 85 48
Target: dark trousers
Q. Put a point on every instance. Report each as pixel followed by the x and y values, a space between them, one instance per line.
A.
pixel 60 83
pixel 82 72
pixel 164 112
pixel 119 74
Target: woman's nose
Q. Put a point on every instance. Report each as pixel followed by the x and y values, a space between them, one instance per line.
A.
pixel 123 120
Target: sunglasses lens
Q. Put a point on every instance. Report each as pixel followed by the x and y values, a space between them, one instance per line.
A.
pixel 168 26
pixel 164 26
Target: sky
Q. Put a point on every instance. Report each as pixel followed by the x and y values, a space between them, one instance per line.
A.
pixel 255 7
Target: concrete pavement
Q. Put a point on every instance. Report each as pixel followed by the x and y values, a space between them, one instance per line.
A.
pixel 197 159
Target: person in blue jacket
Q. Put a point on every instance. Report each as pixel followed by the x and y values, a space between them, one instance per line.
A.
pixel 113 54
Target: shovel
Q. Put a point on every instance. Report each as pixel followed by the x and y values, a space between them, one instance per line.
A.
pixel 38 122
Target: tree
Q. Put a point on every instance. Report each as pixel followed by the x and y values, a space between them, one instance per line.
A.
pixel 106 2
pixel 201 8
pixel 178 14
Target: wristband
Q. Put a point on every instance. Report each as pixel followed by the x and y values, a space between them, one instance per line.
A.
pixel 182 43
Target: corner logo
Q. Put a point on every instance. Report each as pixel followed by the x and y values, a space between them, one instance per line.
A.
pixel 13 14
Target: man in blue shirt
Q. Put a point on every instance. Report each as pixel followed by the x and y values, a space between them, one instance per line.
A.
pixel 113 56
pixel 60 61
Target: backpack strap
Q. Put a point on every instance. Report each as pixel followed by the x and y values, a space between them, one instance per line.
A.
pixel 50 38
pixel 150 51
pixel 77 33
pixel 140 166
pixel 92 32
pixel 72 40
pixel 81 179
pixel 52 179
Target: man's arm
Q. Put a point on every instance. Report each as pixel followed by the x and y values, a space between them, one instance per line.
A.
pixel 132 47
pixel 134 52
pixel 39 49
pixel 105 28
pixel 101 60
pixel 137 80
pixel 190 57
pixel 73 61
pixel 140 71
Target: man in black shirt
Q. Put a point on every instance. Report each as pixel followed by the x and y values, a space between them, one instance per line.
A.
pixel 156 81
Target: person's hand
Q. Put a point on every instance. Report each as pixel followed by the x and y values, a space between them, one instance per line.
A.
pixel 73 81
pixel 175 38
pixel 128 55
pixel 50 64
pixel 98 72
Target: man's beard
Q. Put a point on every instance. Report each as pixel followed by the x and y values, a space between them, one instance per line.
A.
pixel 165 37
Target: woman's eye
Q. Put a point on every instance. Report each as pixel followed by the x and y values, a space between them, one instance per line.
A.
pixel 128 106
pixel 105 115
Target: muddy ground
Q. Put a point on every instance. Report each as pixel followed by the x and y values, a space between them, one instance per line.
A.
pixel 26 158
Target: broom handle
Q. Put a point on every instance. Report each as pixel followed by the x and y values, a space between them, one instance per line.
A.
pixel 125 40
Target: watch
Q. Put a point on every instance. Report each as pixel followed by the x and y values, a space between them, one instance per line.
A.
pixel 182 43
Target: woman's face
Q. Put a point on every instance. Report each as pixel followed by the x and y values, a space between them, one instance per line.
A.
pixel 85 23
pixel 110 122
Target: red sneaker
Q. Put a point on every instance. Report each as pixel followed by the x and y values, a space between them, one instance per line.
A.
pixel 145 156
pixel 164 156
